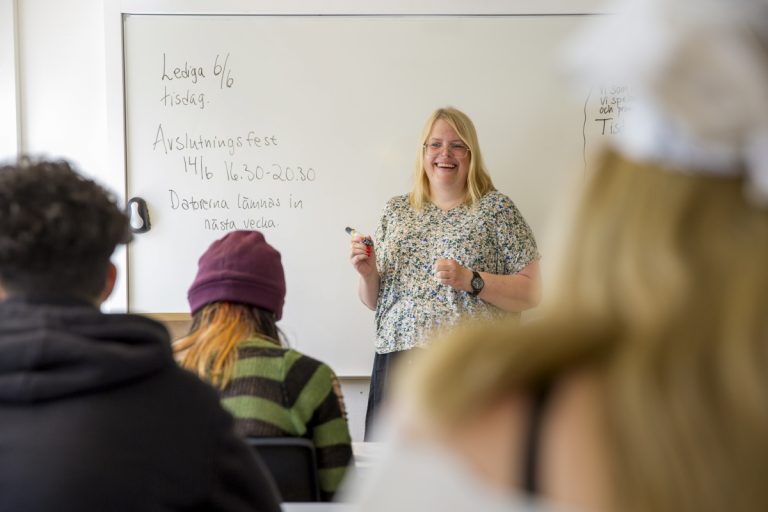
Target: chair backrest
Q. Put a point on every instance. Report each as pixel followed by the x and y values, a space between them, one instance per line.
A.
pixel 292 463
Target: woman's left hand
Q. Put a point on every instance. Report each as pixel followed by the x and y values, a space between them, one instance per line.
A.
pixel 451 273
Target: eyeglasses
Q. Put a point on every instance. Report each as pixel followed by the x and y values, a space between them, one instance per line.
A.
pixel 457 149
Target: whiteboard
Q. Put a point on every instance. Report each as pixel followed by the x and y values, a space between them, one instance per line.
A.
pixel 302 125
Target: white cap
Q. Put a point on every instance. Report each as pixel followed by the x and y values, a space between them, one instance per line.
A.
pixel 698 70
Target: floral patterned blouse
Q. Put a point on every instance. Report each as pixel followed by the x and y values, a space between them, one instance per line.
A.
pixel 490 236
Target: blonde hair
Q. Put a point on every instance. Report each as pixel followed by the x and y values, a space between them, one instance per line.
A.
pixel 665 302
pixel 218 329
pixel 478 179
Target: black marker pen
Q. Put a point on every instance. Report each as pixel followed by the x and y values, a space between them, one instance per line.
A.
pixel 366 241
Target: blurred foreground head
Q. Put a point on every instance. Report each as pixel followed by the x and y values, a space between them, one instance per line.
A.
pixel 655 351
pixel 673 224
pixel 57 231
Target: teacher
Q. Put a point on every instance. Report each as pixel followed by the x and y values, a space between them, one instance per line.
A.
pixel 454 247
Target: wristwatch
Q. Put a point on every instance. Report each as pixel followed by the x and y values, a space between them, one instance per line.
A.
pixel 477 283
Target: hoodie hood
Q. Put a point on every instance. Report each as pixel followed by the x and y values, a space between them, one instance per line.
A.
pixel 50 351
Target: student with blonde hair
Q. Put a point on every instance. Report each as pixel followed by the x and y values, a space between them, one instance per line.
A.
pixel 454 247
pixel 645 388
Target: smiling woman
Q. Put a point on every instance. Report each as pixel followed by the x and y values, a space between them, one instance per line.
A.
pixel 453 248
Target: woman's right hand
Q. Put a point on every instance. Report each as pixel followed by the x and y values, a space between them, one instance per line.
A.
pixel 362 256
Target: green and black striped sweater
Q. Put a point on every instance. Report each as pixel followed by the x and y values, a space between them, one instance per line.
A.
pixel 278 391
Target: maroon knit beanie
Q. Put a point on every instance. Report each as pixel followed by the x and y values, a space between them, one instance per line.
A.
pixel 240 267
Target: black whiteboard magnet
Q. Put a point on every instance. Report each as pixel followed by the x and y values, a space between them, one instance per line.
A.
pixel 138 215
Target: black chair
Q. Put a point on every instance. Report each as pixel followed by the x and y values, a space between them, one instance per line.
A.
pixel 293 465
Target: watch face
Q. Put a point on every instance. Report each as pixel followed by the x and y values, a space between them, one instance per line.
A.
pixel 477 283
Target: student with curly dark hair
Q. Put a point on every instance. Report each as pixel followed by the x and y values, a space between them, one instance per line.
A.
pixel 58 231
pixel 95 414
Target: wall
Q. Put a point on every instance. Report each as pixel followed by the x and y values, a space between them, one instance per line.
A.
pixel 62 78
pixel 8 117
pixel 62 89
